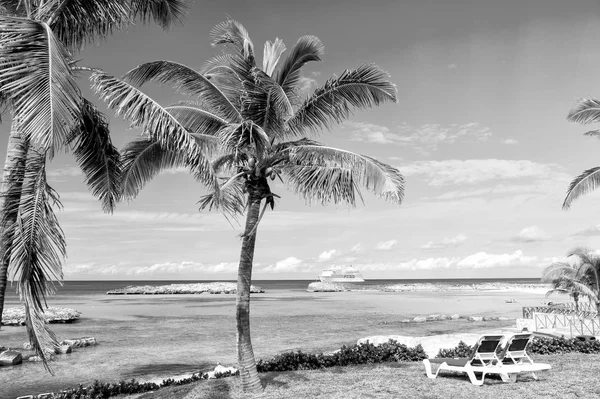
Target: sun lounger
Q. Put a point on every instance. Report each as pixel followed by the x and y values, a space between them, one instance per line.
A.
pixel 512 360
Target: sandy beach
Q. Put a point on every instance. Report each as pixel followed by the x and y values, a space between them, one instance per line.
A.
pixel 159 336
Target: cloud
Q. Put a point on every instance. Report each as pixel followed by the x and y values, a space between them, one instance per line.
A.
pixel 305 83
pixel 474 171
pixel 386 245
pixel 589 232
pixel 423 139
pixel 452 66
pixel 184 268
pixel 479 260
pixel 510 142
pixel 531 234
pixel 327 255
pixel 357 248
pixel 446 242
pixel 61 173
pixel 290 264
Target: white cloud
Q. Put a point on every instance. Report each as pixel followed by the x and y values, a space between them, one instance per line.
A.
pixel 446 242
pixel 290 264
pixel 452 66
pixel 473 171
pixel 423 139
pixel 590 231
pixel 305 83
pixel 531 234
pixel 327 255
pixel 357 248
pixel 510 142
pixel 479 260
pixel 69 171
pixel 386 245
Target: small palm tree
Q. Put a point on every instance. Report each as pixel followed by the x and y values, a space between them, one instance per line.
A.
pixel 244 127
pixel 38 85
pixel 578 280
pixel 585 111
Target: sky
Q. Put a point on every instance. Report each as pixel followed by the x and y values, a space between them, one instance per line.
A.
pixel 479 133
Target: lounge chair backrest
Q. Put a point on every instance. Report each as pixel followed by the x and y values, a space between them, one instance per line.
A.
pixel 485 349
pixel 516 347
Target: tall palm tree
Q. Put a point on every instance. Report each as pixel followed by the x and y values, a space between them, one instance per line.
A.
pixel 245 125
pixel 579 279
pixel 38 85
pixel 585 111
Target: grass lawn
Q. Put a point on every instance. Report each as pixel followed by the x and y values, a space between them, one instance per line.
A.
pixel 571 376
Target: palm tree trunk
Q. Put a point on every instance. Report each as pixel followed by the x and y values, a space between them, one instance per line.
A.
pixel 245 354
pixel 10 195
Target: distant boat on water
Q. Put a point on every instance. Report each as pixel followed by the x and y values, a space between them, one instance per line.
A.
pixel 340 275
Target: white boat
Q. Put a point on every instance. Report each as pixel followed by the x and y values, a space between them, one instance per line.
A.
pixel 339 275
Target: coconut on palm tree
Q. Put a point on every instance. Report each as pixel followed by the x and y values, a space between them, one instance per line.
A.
pixel 244 127
pixel 578 278
pixel 48 113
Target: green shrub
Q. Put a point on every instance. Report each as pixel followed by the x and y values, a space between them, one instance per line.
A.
pixel 461 350
pixel 364 353
pixel 549 346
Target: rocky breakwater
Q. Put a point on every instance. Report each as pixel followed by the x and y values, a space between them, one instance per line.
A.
pixel 16 316
pixel 327 287
pixel 11 357
pixel 173 289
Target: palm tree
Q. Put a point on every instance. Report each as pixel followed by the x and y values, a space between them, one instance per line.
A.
pixel 585 111
pixel 245 125
pixel 579 279
pixel 38 86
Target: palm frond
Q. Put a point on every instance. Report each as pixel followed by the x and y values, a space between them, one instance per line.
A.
pixel 310 167
pixel 364 87
pixel 144 112
pixel 97 156
pixel 78 22
pixel 585 110
pixel 35 75
pixel 38 248
pixel 188 81
pixel 197 120
pixel 163 12
pixel 558 270
pixel 144 159
pixel 307 49
pixel 228 198
pixel 266 103
pixel 271 55
pixel 237 138
pixel 592 133
pixel 234 33
pixel 583 184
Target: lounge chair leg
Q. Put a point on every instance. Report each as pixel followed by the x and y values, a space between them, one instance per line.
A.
pixel 427 364
pixel 534 376
pixel 474 379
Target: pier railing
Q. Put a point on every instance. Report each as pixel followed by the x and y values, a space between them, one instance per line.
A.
pixel 575 324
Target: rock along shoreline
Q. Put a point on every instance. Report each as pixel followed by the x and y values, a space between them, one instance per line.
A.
pixel 426 287
pixel 173 289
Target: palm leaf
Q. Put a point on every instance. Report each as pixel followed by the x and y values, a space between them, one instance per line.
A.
pixel 247 135
pixel 143 159
pixel 271 55
pixel 585 111
pixel 583 184
pixel 364 87
pixel 189 81
pixel 344 167
pixel 592 133
pixel 266 103
pixel 144 112
pixel 307 49
pixel 234 33
pixel 77 22
pixel 228 198
pixel 97 156
pixel 37 251
pixel 197 120
pixel 35 74
pixel 162 12
pixel 558 270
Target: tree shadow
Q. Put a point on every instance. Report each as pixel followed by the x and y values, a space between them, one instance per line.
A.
pixel 219 389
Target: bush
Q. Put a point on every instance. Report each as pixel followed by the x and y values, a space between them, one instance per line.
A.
pixel 461 350
pixel 364 353
pixel 549 346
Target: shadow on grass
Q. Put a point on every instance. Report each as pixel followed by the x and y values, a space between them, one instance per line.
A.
pixel 168 369
pixel 269 379
pixel 219 389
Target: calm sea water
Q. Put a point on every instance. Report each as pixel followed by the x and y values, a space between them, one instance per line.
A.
pixel 78 288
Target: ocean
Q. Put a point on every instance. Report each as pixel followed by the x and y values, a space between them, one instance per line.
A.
pixel 150 337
